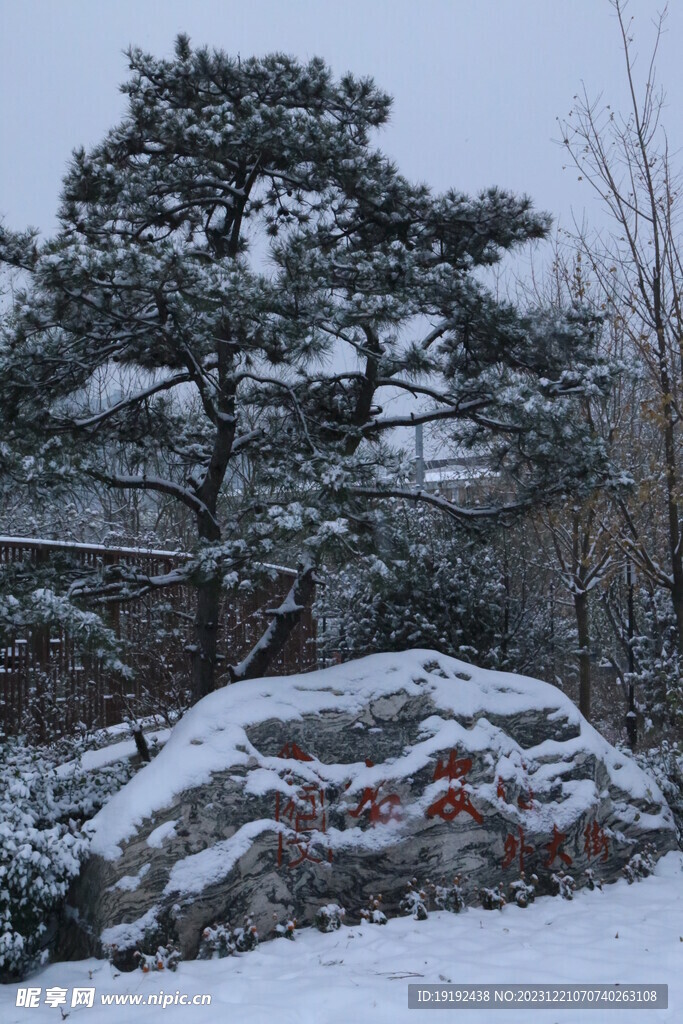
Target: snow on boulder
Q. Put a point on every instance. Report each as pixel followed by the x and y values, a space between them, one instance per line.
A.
pixel 275 797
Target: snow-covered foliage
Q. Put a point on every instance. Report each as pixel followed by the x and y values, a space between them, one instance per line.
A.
pixel 447 896
pixel 566 885
pixel 223 249
pixel 43 803
pixel 217 942
pixel 664 763
pixel 640 865
pixel 373 912
pixel 657 659
pixel 221 940
pixel 26 607
pixel 523 892
pixel 493 897
pixel 591 881
pixel 415 902
pixel 166 958
pixel 286 929
pixel 431 586
pixel 330 917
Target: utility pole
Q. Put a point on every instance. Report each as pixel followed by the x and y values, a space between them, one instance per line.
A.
pixel 419 457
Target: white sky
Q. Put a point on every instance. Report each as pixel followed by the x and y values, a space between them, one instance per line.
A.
pixel 477 83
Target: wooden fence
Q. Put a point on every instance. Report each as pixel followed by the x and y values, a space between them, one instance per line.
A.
pixel 49 686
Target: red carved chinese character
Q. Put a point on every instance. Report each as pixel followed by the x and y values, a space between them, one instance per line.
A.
pixel 514 846
pixel 305 813
pixel 500 788
pixel 597 841
pixel 456 799
pixel 455 767
pixel 380 811
pixel 553 848
pixel 293 751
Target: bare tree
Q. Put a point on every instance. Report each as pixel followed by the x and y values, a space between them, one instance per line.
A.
pixel 626 160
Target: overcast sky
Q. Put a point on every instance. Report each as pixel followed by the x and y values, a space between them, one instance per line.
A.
pixel 477 84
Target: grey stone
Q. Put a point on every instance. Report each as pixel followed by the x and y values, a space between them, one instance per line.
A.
pixel 276 797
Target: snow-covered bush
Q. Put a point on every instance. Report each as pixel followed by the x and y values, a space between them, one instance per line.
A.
pixel 429 583
pixel 523 892
pixel 39 856
pixel 448 897
pixel 658 675
pixel 246 938
pixel 592 882
pixel 221 940
pixel 665 764
pixel 641 864
pixel 216 942
pixel 286 930
pixel 329 918
pixel 372 913
pixel 166 958
pixel 42 806
pixel 415 902
pixel 566 885
pixel 432 589
pixel 494 898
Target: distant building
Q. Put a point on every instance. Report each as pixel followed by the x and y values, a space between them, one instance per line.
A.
pixel 464 480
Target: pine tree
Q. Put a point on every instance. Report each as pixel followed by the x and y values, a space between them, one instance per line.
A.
pixel 219 251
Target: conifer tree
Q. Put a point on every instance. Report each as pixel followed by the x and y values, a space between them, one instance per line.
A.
pixel 239 281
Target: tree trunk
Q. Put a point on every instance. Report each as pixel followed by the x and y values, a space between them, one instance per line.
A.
pixel 206 620
pixel 283 621
pixel 206 633
pixel 581 610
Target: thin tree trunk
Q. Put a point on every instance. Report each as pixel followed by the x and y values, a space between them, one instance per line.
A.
pixel 206 632
pixel 582 628
pixel 206 620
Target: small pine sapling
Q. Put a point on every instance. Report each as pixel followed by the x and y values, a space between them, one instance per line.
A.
pixel 592 882
pixel 523 892
pixel 492 899
pixel 216 942
pixel 372 913
pixel 166 958
pixel 641 864
pixel 329 918
pixel 415 902
pixel 246 938
pixel 286 930
pixel 566 885
pixel 448 896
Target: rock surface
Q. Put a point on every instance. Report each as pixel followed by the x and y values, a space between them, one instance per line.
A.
pixel 275 797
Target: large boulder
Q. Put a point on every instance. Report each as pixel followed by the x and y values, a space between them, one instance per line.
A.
pixel 275 797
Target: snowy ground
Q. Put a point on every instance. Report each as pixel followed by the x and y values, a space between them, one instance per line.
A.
pixel 624 934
